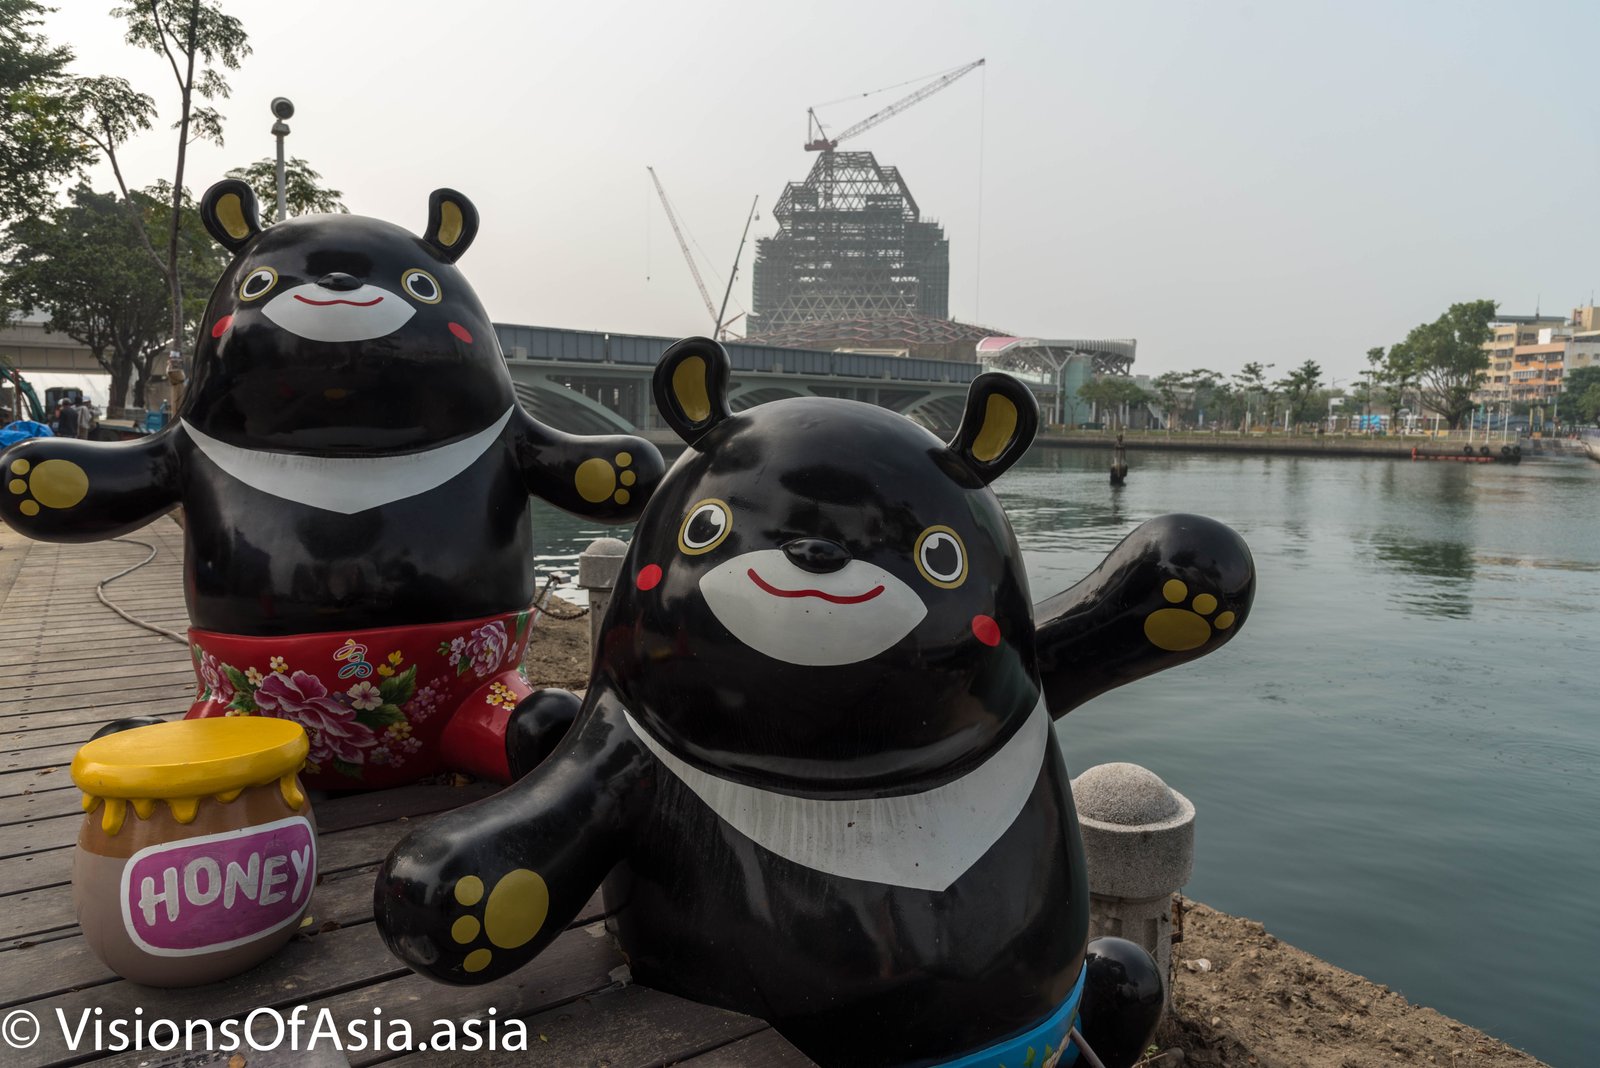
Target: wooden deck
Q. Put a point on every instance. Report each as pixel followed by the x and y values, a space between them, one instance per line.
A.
pixel 67 665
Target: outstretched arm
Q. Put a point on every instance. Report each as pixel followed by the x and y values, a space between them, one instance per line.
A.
pixel 1176 588
pixel 481 891
pixel 605 477
pixel 63 489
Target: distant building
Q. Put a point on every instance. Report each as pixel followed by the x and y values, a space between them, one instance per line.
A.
pixel 1530 355
pixel 851 244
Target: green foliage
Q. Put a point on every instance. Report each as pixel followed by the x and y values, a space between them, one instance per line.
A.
pixel 1581 395
pixel 88 263
pixel 1109 394
pixel 301 186
pixel 1445 360
pixel 39 145
pixel 1299 389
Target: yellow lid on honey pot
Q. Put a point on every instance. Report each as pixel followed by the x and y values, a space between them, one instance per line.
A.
pixel 183 761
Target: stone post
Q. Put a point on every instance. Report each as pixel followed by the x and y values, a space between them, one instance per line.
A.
pixel 1138 841
pixel 598 568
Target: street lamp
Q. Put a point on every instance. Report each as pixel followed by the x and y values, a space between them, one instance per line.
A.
pixel 282 109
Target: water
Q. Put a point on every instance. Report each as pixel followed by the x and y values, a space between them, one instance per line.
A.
pixel 1397 763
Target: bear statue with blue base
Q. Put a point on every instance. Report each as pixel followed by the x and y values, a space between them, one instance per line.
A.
pixel 355 472
pixel 815 768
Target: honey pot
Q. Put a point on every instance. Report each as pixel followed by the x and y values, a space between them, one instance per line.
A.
pixel 198 854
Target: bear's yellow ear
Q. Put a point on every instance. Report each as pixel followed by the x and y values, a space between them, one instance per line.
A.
pixel 229 212
pixel 998 425
pixel 452 224
pixel 691 387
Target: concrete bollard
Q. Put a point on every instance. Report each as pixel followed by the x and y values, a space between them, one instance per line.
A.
pixel 598 568
pixel 1138 842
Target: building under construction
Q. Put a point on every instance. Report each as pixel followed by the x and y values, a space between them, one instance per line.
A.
pixel 851 244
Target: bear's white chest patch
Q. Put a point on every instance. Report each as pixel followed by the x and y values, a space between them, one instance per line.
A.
pixel 347 484
pixel 925 841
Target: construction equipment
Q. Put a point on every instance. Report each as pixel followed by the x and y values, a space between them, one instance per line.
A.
pixel 688 258
pixel 817 139
pixel 24 392
pixel 723 324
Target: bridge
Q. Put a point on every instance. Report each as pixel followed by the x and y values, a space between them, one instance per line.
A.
pixel 589 383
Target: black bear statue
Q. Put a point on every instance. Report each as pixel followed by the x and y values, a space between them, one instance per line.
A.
pixel 355 471
pixel 815 768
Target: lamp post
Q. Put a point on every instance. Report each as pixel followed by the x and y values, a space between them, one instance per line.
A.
pixel 282 109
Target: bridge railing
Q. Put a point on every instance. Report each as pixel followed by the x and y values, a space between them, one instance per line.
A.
pixel 542 343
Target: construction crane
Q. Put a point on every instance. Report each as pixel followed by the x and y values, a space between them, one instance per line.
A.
pixel 688 258
pixel 817 139
pixel 25 394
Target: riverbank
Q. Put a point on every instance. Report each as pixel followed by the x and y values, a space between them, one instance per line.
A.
pixel 1386 447
pixel 1242 997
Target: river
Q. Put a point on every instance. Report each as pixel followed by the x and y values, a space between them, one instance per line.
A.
pixel 1396 765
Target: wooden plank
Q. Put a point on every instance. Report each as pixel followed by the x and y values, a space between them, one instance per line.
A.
pixel 61 734
pixel 39 805
pixel 43 720
pixel 352 834
pixel 765 1048
pixel 136 693
pixel 317 970
pixel 17 783
pixel 95 684
pixel 342 899
pixel 135 648
pixel 634 1027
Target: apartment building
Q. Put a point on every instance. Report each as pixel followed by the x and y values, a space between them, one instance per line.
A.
pixel 1529 355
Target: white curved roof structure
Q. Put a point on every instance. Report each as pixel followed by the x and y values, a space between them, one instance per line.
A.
pixel 1112 356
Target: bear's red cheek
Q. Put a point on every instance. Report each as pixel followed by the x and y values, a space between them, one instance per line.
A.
pixel 461 332
pixel 221 326
pixel 649 577
pixel 986 630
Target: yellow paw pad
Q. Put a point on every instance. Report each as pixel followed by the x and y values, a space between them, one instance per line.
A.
pixel 513 914
pixel 1177 630
pixel 51 484
pixel 597 478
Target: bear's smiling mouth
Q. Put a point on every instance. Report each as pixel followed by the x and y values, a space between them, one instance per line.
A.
pixel 825 620
pixel 326 303
pixel 830 597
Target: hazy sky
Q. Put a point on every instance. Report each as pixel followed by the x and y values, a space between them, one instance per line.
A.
pixel 1225 182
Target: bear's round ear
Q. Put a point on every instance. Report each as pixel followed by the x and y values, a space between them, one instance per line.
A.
pixel 452 224
pixel 229 212
pixel 691 387
pixel 998 425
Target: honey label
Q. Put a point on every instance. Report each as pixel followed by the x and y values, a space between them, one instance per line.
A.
pixel 218 891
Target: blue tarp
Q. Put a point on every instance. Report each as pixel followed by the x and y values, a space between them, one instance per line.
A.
pixel 22 430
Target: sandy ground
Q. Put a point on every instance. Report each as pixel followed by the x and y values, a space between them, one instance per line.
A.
pixel 1242 997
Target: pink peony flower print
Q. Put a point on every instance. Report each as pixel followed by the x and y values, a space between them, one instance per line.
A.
pixel 215 679
pixel 331 726
pixel 487 647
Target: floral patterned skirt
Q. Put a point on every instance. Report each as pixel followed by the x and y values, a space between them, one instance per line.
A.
pixel 381 707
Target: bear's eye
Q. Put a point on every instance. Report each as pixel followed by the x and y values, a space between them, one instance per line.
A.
pixel 941 557
pixel 422 285
pixel 707 523
pixel 258 283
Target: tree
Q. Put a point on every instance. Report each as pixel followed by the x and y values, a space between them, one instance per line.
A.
pixel 1253 388
pixel 88 263
pixel 1167 386
pixel 38 143
pixel 187 34
pixel 1299 389
pixel 1582 391
pixel 301 185
pixel 1110 393
pixel 1446 358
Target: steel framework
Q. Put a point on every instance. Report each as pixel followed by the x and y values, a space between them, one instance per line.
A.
pixel 851 244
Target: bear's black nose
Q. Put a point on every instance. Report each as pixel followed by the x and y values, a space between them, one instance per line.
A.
pixel 339 281
pixel 817 555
